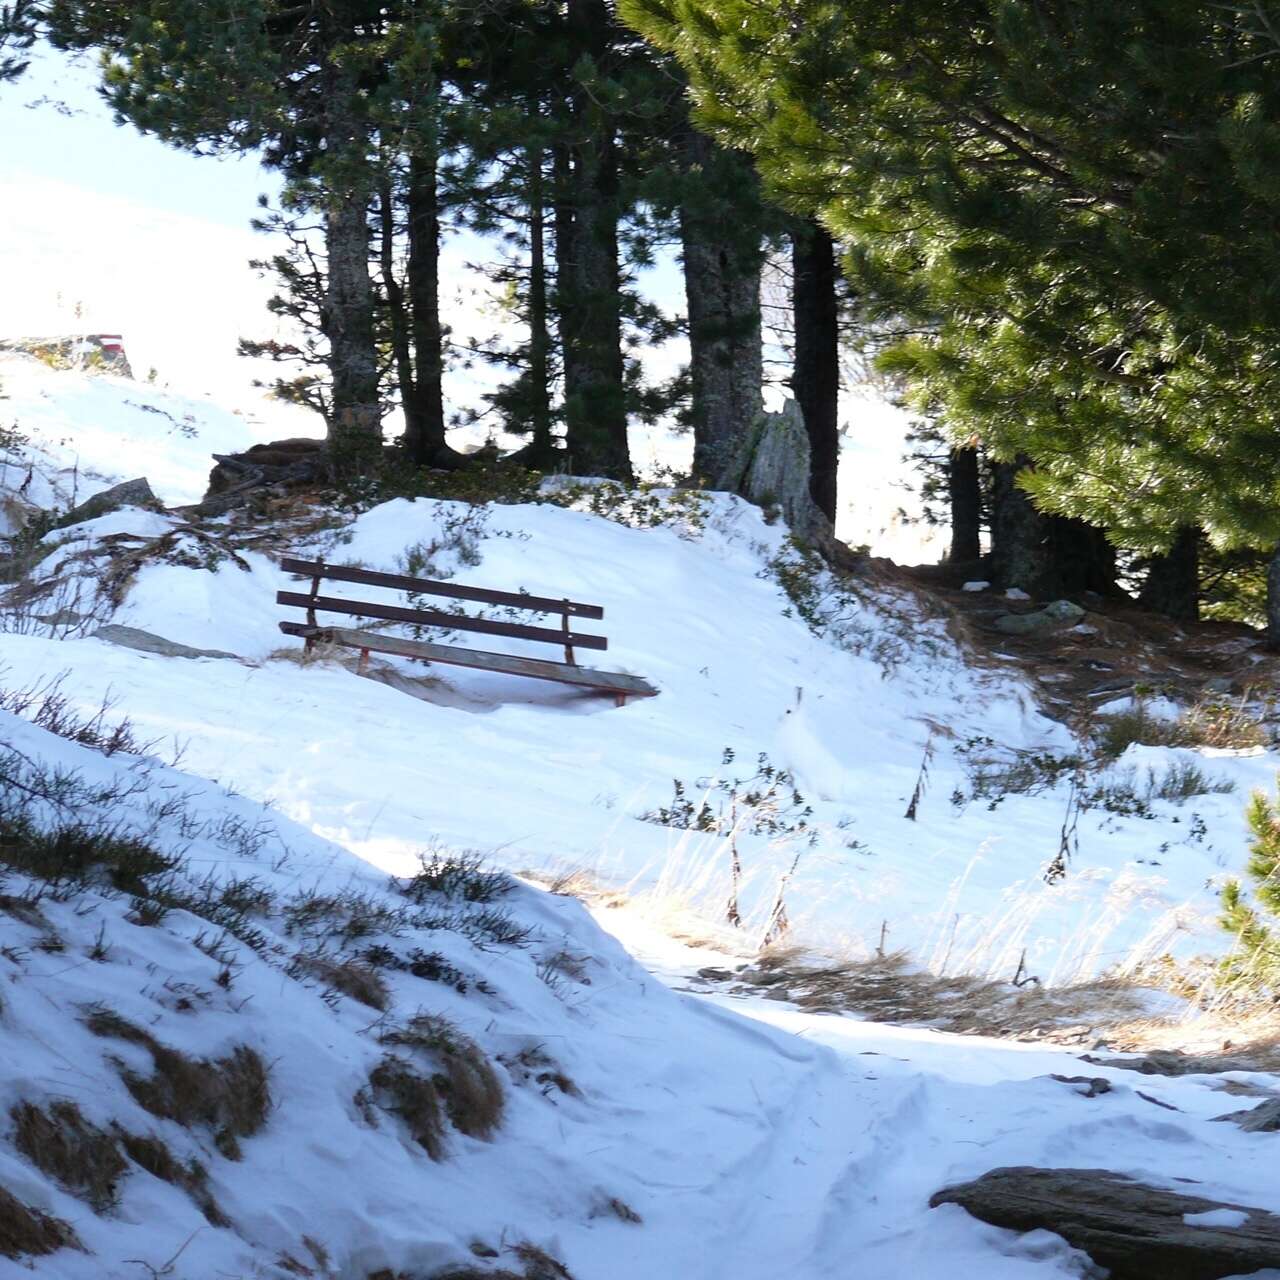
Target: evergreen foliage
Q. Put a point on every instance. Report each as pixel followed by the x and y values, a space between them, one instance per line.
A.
pixel 1076 200
pixel 18 22
pixel 1253 915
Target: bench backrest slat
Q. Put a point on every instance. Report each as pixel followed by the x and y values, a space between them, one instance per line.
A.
pixel 454 591
pixel 432 618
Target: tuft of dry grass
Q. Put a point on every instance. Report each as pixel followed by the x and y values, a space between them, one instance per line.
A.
pixel 79 1156
pixel 354 978
pixel 230 1096
pixel 536 1064
pixel 149 1152
pixel 27 1233
pixel 1209 722
pixel 887 989
pixel 398 1088
pixel 464 1076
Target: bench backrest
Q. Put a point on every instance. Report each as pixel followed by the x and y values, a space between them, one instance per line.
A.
pixel 319 571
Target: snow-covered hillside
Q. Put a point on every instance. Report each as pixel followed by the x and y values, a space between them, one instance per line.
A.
pixel 695 605
pixel 456 1073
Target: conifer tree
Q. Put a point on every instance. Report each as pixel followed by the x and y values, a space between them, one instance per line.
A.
pixel 1253 915
pixel 1077 196
pixel 18 22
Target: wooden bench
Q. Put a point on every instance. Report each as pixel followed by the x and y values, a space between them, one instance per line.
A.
pixel 619 685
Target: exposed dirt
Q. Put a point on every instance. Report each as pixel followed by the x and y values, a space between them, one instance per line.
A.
pixel 1113 649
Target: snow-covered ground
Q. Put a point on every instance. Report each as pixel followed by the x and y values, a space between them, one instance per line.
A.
pixel 695 607
pixel 753 1140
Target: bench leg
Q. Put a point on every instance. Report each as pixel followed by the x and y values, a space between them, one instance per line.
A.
pixel 364 662
pixel 619 699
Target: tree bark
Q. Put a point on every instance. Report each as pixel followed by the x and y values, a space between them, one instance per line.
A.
pixel 355 419
pixel 354 433
pixel 428 445
pixel 397 310
pixel 816 377
pixel 1172 583
pixel 541 447
pixel 589 281
pixel 1273 601
pixel 964 488
pixel 1045 556
pixel 722 291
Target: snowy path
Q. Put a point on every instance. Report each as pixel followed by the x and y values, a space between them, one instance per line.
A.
pixel 847 1172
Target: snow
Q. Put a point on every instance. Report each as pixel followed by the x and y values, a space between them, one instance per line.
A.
pixel 753 1138
pixel 1216 1218
pixel 976 586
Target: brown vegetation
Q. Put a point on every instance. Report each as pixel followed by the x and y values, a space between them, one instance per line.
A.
pixel 354 978
pixel 230 1096
pixel 79 1156
pixel 26 1232
pixel 150 1153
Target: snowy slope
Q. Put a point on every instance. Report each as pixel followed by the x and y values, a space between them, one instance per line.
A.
pixel 699 612
pixel 87 431
pixel 748 1147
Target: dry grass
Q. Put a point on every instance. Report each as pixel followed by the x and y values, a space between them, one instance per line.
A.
pixel 465 1077
pixel 150 1153
pixel 1215 723
pixel 230 1096
pixel 888 990
pixel 400 1089
pixel 27 1233
pixel 354 978
pixel 537 1065
pixel 79 1156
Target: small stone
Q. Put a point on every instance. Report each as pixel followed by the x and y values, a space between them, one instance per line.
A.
pixel 976 586
pixel 1016 593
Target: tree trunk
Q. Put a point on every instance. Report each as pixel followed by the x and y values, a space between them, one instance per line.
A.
pixel 541 447
pixel 590 282
pixel 1172 582
pixel 1273 601
pixel 354 434
pixel 816 376
pixel 1045 556
pixel 397 310
pixel 355 419
pixel 428 446
pixel 964 488
pixel 722 289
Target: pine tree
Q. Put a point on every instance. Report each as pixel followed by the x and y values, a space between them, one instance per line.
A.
pixel 1253 916
pixel 18 28
pixel 1075 198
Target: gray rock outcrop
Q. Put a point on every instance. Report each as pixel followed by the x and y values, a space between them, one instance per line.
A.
pixel 130 493
pixel 146 642
pixel 1136 1231
pixel 1061 613
pixel 1264 1118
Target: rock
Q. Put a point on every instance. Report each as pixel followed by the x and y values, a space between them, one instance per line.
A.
pixel 134 638
pixel 132 493
pixel 1136 1231
pixel 1264 1118
pixel 298 458
pixel 1172 1062
pixel 1016 593
pixel 772 470
pixel 1094 1085
pixel 975 586
pixel 1058 614
pixel 1220 684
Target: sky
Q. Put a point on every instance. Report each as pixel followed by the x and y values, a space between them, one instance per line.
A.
pixel 105 230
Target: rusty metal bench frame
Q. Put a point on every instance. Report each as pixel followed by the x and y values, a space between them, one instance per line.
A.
pixel 619 685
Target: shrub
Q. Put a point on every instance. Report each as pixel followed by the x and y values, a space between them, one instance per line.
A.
pixel 354 978
pixel 1253 915
pixel 458 876
pixel 1207 723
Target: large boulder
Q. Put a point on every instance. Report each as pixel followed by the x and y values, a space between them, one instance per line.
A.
pixel 1138 1232
pixel 130 493
pixel 1061 613
pixel 298 458
pixel 771 469
pixel 148 642
pixel 1264 1118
